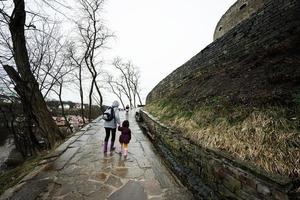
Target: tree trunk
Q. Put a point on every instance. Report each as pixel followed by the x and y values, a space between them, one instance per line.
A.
pixel 26 86
pixel 134 99
pixel 120 98
pixel 119 95
pixel 99 93
pixel 139 98
pixel 129 94
pixel 81 94
pixel 90 101
pixel 62 107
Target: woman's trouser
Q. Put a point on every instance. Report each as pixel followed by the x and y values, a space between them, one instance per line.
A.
pixel 113 137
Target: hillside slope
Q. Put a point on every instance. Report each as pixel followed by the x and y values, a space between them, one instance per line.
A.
pixel 241 94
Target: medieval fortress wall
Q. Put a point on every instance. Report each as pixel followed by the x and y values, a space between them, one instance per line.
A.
pixel 237 13
pixel 268 33
pixel 255 57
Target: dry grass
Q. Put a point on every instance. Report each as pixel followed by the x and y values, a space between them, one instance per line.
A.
pixel 263 137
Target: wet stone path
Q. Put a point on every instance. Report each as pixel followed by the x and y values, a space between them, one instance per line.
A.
pixel 79 169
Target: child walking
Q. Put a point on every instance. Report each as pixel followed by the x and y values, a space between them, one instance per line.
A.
pixel 125 137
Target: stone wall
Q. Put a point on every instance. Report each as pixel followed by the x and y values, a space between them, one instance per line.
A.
pixel 237 13
pixel 210 174
pixel 257 58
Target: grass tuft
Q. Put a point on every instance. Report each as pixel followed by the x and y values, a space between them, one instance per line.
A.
pixel 265 137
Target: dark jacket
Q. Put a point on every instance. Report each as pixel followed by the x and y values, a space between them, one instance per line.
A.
pixel 125 136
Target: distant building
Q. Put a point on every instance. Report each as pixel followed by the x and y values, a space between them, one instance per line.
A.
pixel 66 106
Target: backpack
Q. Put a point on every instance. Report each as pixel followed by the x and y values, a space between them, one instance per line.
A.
pixel 109 114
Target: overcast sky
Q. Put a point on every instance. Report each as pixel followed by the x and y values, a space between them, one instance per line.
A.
pixel 160 35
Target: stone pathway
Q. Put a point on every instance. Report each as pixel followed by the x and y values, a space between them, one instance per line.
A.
pixel 79 169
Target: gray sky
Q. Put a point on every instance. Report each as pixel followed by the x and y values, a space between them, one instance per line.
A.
pixel 159 35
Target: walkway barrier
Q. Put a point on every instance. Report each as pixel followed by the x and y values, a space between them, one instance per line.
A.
pixel 211 174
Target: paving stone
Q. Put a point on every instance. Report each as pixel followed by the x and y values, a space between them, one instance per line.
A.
pixel 64 158
pixel 114 181
pixel 156 198
pixel 86 187
pixel 152 187
pixel 66 189
pixel 72 196
pixel 83 171
pixel 135 173
pixel 84 137
pixel 76 158
pixel 78 178
pixel 144 163
pixel 52 192
pixel 132 190
pixel 70 169
pixel 32 190
pixel 9 193
pixel 101 176
pixel 149 174
pixel 120 172
pixel 101 193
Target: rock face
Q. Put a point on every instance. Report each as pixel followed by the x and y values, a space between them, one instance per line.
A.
pixel 256 62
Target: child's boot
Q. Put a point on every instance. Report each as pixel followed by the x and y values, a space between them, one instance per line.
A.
pixel 125 153
pixel 121 150
pixel 105 147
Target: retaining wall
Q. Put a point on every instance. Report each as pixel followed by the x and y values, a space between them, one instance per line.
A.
pixel 211 174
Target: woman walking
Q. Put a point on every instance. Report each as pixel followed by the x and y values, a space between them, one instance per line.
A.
pixel 111 126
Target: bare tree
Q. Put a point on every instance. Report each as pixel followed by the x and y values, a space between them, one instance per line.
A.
pixel 26 85
pixel 116 88
pixel 45 51
pixel 43 43
pixel 60 83
pixel 135 84
pixel 60 77
pixel 129 80
pixel 77 61
pixel 6 48
pixel 125 76
pixel 94 36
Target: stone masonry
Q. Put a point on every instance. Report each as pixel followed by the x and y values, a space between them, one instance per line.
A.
pixel 211 174
pixel 237 13
pixel 258 59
